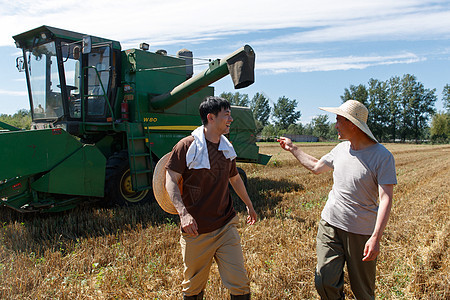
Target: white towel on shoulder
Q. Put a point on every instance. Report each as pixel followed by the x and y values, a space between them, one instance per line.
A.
pixel 197 155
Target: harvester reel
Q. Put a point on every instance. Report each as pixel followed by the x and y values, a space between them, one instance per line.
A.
pixel 118 186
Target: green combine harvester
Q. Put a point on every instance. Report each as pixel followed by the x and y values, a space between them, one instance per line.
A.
pixel 102 117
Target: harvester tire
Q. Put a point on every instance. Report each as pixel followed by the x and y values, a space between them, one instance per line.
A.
pixel 243 176
pixel 118 187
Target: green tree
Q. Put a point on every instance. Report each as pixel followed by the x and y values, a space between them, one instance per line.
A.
pixel 394 92
pixel 332 132
pixel 237 98
pixel 378 106
pixel 446 98
pixel 295 129
pixel 358 93
pixel 308 129
pixel 261 110
pixel 21 119
pixel 399 107
pixel 269 131
pixel 440 128
pixel 417 108
pixel 284 112
pixel 321 126
pixel 406 97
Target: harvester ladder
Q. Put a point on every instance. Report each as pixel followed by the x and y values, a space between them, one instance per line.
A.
pixel 139 157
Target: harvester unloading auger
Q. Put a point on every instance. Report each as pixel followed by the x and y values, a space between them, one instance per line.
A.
pixel 102 117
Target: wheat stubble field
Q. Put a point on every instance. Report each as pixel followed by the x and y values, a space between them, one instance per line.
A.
pixel 133 253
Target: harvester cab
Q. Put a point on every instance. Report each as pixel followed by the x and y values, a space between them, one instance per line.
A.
pixel 102 117
pixel 72 78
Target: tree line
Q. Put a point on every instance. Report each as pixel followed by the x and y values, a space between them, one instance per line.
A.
pixel 400 109
pixel 284 115
pixel 21 119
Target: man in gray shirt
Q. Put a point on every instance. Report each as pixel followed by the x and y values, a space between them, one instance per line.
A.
pixel 358 205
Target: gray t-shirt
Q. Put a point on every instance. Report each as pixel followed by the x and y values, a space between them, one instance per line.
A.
pixel 352 203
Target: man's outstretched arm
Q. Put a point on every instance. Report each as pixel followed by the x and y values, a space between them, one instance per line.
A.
pixel 309 162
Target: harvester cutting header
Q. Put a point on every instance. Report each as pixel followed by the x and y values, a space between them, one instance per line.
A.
pixel 102 117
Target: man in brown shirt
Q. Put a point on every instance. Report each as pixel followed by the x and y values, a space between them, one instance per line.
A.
pixel 205 161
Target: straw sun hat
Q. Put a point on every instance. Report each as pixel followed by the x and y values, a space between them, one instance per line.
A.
pixel 355 112
pixel 159 186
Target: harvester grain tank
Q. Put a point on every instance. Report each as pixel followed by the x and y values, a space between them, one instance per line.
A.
pixel 102 117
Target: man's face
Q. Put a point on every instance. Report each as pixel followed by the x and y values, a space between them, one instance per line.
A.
pixel 222 121
pixel 344 128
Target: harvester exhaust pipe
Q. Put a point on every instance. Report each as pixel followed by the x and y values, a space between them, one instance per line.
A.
pixel 240 65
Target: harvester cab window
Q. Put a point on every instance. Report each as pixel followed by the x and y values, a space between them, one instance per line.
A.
pixel 98 80
pixel 71 59
pixel 44 82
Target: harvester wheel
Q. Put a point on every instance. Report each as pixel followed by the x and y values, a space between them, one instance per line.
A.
pixel 243 176
pixel 118 186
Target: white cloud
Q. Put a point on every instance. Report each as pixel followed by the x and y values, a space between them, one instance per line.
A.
pixel 410 27
pixel 305 64
pixel 174 20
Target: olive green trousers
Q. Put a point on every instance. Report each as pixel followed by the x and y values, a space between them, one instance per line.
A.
pixel 335 248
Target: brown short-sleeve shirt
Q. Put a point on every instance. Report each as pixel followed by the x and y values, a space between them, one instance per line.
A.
pixel 205 192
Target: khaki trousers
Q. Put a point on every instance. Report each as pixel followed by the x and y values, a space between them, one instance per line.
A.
pixel 224 245
pixel 336 247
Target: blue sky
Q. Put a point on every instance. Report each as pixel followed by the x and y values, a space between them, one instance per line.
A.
pixel 305 50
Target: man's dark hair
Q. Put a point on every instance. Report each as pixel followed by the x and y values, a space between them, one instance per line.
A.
pixel 212 105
